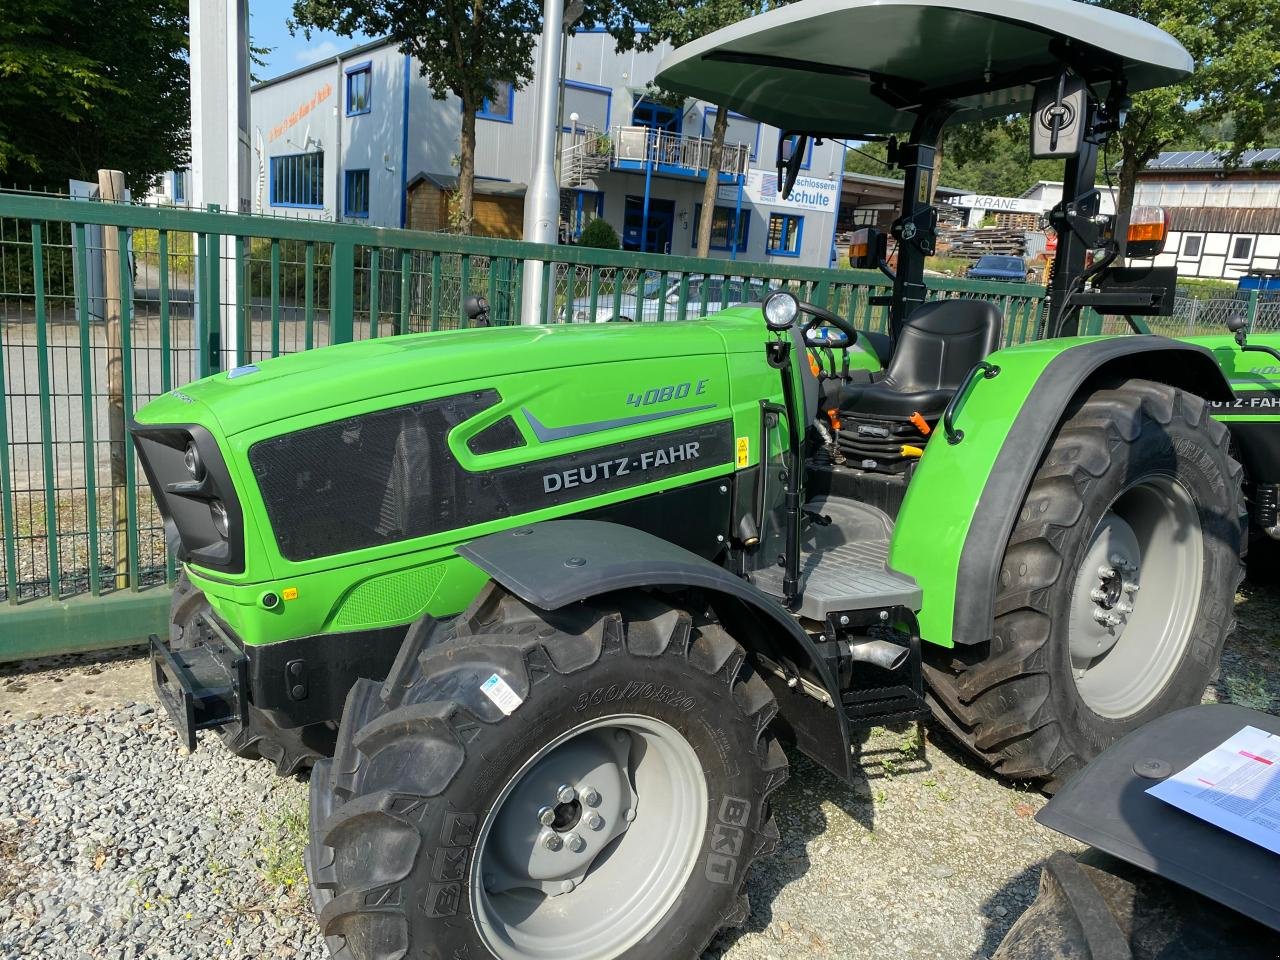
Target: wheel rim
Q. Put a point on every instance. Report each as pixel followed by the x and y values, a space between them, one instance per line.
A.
pixel 590 843
pixel 1126 642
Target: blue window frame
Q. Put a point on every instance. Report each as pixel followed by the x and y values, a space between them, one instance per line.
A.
pixel 808 151
pixel 501 107
pixel 593 104
pixel 722 227
pixel 740 130
pixel 355 193
pixel 359 89
pixel 785 233
pixel 297 180
pixel 179 186
pixel 587 205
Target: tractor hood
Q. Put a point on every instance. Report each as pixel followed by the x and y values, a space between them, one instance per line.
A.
pixel 275 390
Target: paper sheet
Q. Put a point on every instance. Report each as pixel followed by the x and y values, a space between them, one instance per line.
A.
pixel 1235 786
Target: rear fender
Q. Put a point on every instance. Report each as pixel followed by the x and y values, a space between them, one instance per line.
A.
pixel 964 499
pixel 553 564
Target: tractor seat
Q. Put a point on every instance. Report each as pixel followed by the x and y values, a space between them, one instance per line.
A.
pixel 938 345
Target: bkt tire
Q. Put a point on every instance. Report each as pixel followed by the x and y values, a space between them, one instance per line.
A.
pixel 291 749
pixel 1116 590
pixel 591 782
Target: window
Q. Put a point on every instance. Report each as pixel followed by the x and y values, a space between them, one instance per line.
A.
pixel 297 180
pixel 500 107
pixel 179 186
pixel 740 129
pixel 589 102
pixel 785 230
pixel 359 89
pixel 722 227
pixel 808 151
pixel 1191 245
pixel 1242 248
pixel 355 193
pixel 580 208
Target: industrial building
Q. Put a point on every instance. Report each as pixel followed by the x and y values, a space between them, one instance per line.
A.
pixel 360 138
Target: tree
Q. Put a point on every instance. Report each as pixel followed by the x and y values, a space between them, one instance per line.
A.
pixel 1231 102
pixel 468 48
pixel 88 84
pixel 679 24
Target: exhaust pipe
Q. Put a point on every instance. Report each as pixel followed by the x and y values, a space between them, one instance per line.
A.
pixel 882 653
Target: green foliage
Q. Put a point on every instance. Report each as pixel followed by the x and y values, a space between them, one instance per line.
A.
pixel 1230 103
pixel 93 84
pixel 599 233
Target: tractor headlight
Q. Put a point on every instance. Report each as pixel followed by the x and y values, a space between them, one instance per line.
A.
pixel 221 522
pixel 195 466
pixel 780 310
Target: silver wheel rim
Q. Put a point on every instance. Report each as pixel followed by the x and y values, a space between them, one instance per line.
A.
pixel 590 843
pixel 1135 597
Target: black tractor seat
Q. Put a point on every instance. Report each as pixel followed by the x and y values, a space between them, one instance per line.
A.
pixel 938 345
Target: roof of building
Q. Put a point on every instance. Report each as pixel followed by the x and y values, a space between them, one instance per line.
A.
pixel 1185 160
pixel 328 61
pixel 873 180
pixel 484 186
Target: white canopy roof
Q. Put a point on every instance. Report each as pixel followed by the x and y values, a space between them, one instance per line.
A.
pixel 850 67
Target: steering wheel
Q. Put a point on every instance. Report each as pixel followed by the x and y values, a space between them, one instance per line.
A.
pixel 822 316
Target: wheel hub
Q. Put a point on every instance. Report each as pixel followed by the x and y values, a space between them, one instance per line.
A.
pixel 1106 588
pixel 563 814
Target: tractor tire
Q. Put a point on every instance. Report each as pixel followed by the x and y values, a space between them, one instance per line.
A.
pixel 591 781
pixel 1137 489
pixel 291 749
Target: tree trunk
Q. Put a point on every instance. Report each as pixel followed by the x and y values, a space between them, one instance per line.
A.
pixel 712 185
pixel 467 168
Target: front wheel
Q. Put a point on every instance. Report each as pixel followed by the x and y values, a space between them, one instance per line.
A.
pixel 588 783
pixel 1116 590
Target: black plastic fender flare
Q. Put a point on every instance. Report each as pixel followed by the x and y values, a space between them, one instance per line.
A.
pixel 1186 366
pixel 558 562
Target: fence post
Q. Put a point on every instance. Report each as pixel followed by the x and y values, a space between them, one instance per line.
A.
pixel 1252 314
pixel 111 189
pixel 342 302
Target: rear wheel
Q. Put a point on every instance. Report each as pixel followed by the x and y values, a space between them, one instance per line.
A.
pixel 592 782
pixel 291 749
pixel 1116 589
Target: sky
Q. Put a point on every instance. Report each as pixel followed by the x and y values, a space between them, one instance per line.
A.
pixel 268 29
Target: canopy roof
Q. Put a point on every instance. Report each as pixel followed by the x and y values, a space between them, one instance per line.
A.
pixel 850 67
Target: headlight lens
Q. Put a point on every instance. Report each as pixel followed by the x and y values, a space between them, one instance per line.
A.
pixel 218 510
pixel 780 310
pixel 191 457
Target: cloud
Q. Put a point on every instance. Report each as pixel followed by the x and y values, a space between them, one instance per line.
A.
pixel 320 51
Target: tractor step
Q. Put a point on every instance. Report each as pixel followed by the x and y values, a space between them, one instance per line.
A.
pixel 844 563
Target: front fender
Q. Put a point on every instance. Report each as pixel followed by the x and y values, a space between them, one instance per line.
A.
pixel 558 562
pixel 964 499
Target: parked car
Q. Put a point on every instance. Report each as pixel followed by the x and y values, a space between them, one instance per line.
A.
pixel 642 303
pixel 991 267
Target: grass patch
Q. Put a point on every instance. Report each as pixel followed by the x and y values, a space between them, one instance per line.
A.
pixel 285 830
pixel 951 266
pixel 1249 689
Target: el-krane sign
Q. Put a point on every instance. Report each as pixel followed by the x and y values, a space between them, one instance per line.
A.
pixel 809 193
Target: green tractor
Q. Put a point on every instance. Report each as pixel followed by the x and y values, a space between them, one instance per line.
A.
pixel 538 603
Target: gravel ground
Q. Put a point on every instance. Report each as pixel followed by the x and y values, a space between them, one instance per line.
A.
pixel 115 844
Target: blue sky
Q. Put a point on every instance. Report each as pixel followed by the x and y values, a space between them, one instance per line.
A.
pixel 267 27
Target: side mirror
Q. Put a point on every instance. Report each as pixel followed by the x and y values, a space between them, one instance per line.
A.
pixel 868 248
pixel 1058 118
pixel 790 157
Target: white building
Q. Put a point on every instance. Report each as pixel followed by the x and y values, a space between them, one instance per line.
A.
pixel 1223 222
pixel 360 138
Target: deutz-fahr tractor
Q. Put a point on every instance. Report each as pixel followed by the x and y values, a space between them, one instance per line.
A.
pixel 538 604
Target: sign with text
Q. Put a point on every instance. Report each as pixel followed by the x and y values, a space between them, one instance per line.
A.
pixel 1005 204
pixel 762 188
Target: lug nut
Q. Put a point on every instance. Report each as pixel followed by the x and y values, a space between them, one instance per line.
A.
pixel 568 885
pixel 546 816
pixel 552 842
pixel 1124 607
pixel 1130 587
pixel 590 796
pixel 565 794
pixel 575 842
pixel 1106 573
pixel 595 821
pixel 1098 594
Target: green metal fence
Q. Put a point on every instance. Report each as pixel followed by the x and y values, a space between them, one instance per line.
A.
pixel 84 563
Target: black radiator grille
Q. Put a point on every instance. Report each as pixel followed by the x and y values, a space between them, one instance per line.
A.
pixel 388 476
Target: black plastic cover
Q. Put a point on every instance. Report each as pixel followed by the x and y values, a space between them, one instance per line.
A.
pixel 1106 806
